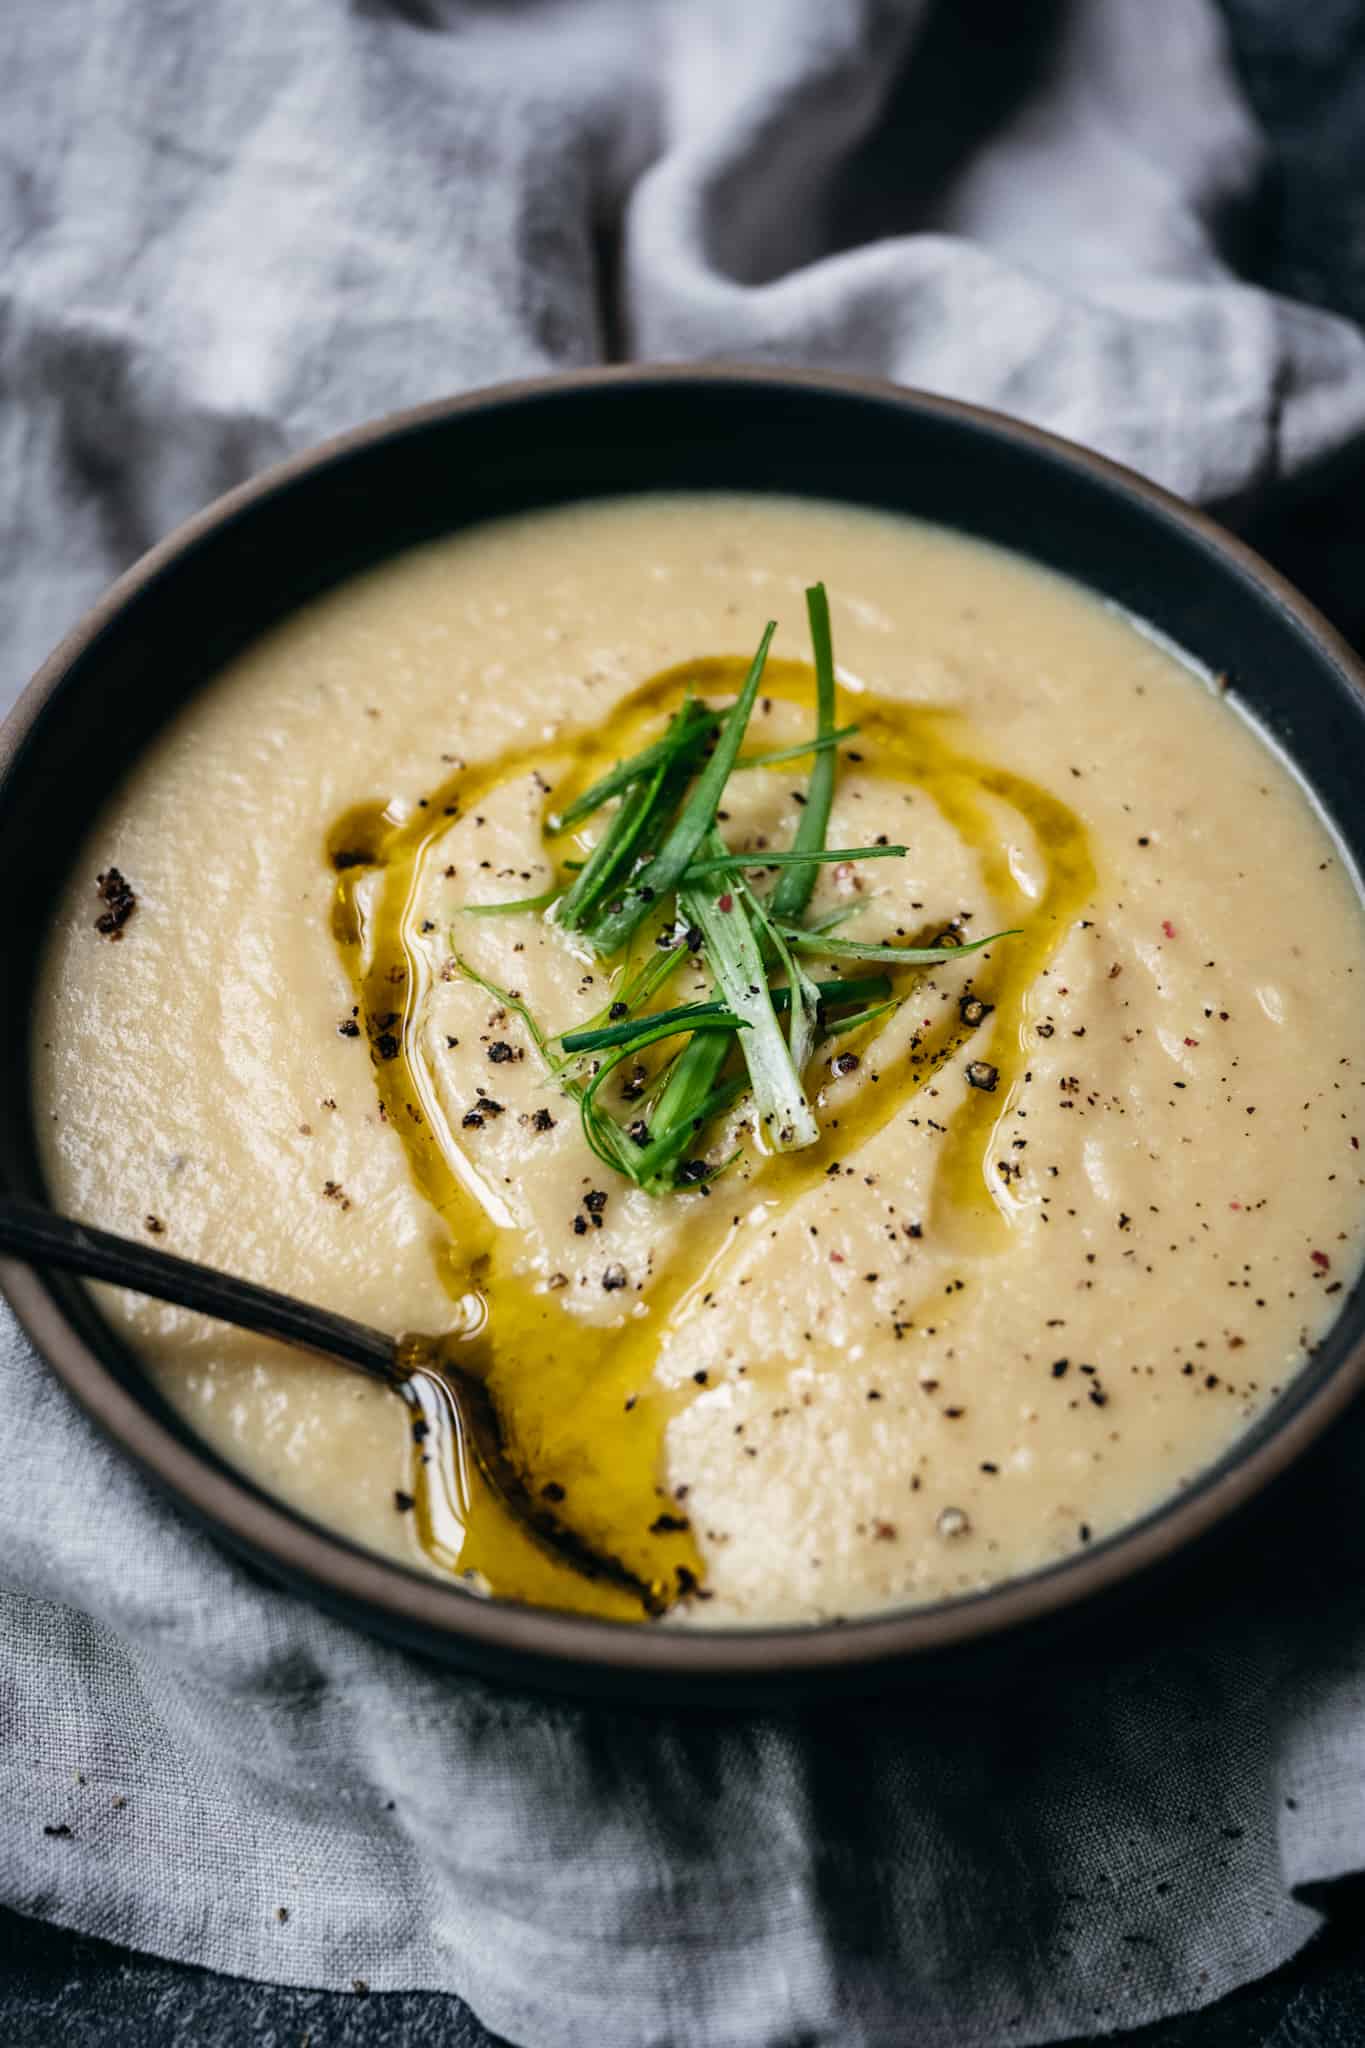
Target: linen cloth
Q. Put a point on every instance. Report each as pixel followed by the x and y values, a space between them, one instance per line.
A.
pixel 230 227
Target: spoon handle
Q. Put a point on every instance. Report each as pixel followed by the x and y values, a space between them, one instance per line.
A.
pixel 41 1238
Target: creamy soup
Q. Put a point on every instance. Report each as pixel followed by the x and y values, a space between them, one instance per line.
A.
pixel 1078 1203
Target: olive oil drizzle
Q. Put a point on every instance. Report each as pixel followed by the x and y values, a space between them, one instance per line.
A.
pixel 582 1416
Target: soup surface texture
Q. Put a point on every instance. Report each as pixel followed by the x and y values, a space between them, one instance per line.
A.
pixel 1080 1204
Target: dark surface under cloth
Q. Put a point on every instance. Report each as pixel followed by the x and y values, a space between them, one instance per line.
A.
pixel 1304 69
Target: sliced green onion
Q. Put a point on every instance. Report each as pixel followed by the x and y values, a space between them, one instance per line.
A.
pixel 724 863
pixel 662 875
pixel 595 1038
pixel 682 1137
pixel 895 956
pixel 842 1024
pixel 659 966
pixel 679 1091
pixel 612 851
pixel 635 989
pixel 832 919
pixel 603 1134
pixel 541 902
pixel 631 1028
pixel 692 725
pixel 698 1183
pixel 684 1098
pixel 732 952
pixel 605 1139
pixel 509 1002
pixel 804 997
pixel 793 891
pixel 645 814
pixel 816 746
pixel 661 856
pixel 855 989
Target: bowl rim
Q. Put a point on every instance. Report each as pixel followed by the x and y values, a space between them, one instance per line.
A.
pixel 420 1606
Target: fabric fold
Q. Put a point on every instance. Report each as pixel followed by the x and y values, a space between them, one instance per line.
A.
pixel 232 228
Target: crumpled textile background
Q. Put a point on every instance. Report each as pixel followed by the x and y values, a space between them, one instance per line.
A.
pixel 231 227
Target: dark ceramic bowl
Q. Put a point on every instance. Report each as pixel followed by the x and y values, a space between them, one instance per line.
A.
pixel 191 604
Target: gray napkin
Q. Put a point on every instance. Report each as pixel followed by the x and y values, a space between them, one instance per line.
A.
pixel 232 226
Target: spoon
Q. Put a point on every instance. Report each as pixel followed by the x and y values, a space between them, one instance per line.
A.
pixel 449 1399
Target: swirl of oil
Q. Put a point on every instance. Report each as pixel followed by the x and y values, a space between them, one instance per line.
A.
pixel 581 1414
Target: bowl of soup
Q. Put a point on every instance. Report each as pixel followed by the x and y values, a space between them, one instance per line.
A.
pixel 811 934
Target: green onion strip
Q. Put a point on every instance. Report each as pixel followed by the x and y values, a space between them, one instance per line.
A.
pixel 661 867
